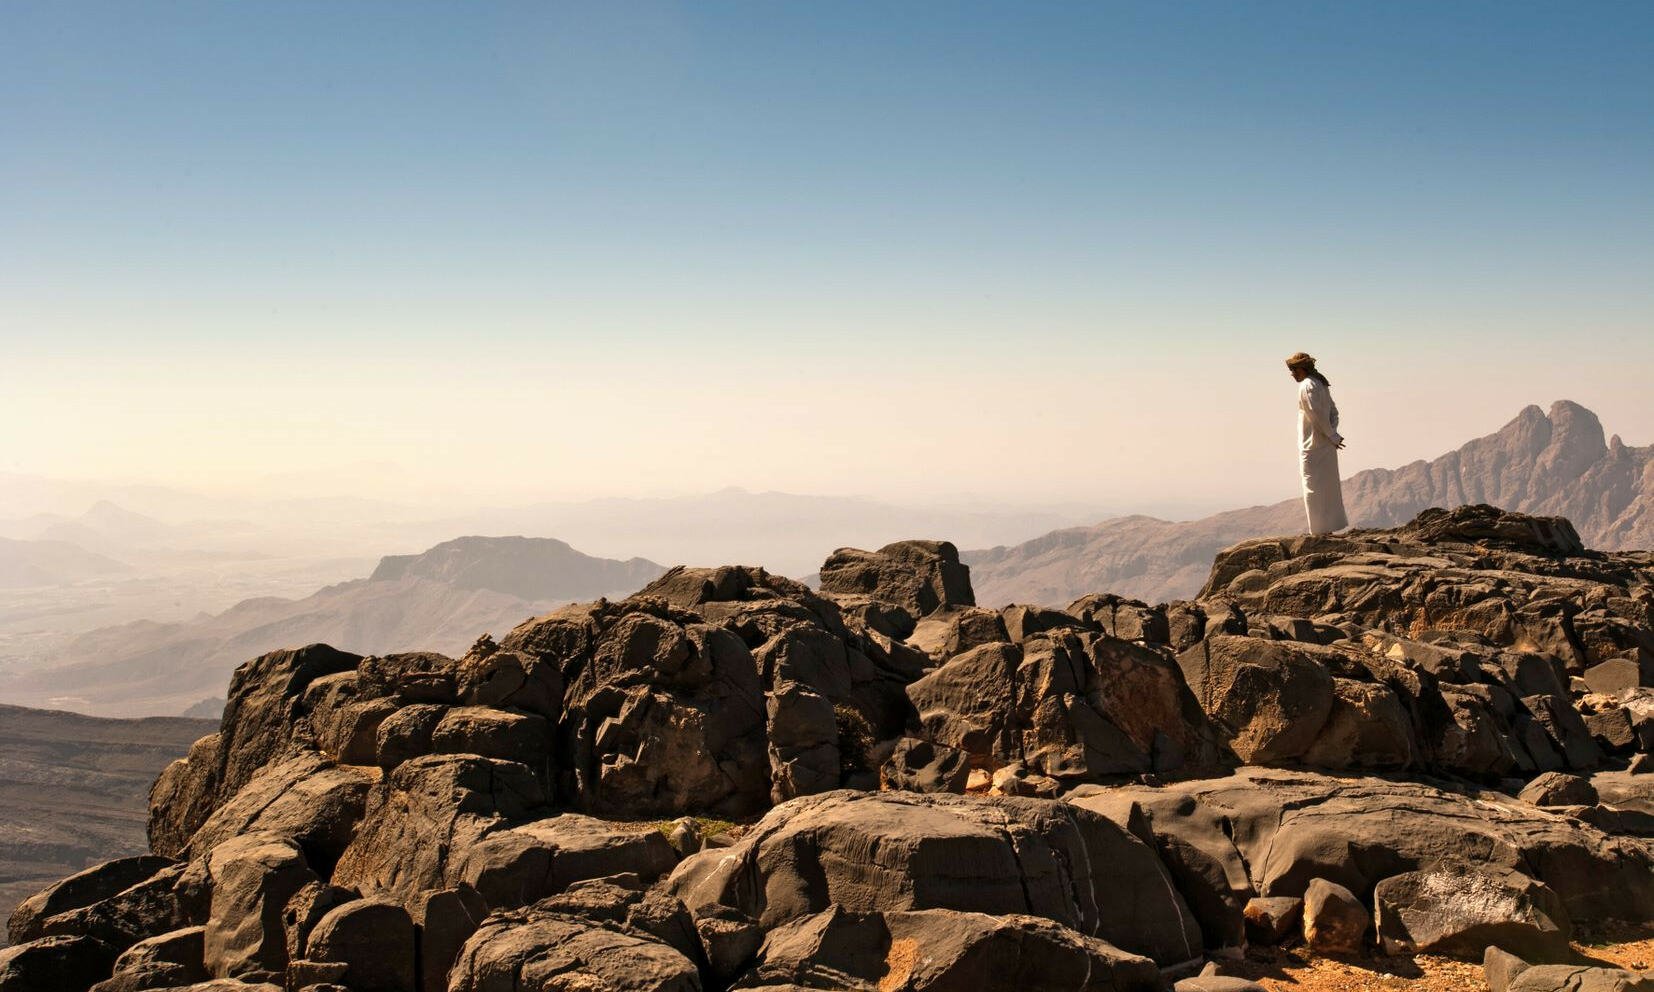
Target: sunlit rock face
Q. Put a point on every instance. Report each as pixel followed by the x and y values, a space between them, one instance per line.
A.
pixel 730 781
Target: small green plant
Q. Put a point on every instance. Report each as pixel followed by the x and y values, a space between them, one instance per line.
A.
pixel 708 826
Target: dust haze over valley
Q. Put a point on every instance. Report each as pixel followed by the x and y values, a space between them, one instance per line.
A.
pixel 121 613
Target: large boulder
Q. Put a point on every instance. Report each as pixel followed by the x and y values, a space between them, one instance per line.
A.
pixel 663 712
pixel 534 950
pixel 1280 829
pixel 428 813
pixel 169 959
pixel 1335 922
pixel 493 733
pixel 374 939
pixel 955 630
pixel 446 919
pixel 165 901
pixel 1195 846
pixel 943 951
pixel 29 920
pixel 54 964
pixel 1072 705
pixel 528 862
pixel 305 797
pixel 1559 789
pixel 919 576
pixel 253 877
pixel 886 852
pixel 1269 699
pixel 1127 619
pixel 1460 911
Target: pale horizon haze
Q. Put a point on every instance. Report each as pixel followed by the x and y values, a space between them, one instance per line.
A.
pixel 1019 253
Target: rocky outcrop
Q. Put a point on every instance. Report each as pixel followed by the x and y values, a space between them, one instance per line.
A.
pixel 919 576
pixel 539 951
pixel 941 949
pixel 975 855
pixel 925 793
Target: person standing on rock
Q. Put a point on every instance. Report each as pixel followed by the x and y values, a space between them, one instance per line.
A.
pixel 1318 444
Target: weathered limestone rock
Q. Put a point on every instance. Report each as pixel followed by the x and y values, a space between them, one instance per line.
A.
pixel 253 877
pixel 1264 832
pixel 624 899
pixel 1072 706
pixel 1460 911
pixel 305 798
pixel 1575 978
pixel 920 766
pixel 1335 922
pixel 536 951
pixel 1500 967
pixel 511 680
pixel 426 813
pixel 446 919
pixel 410 677
pixel 406 734
pixel 1367 727
pixel 919 576
pixel 520 865
pixel 54 964
pixel 1270 920
pixel 170 959
pixel 28 921
pixel 1023 621
pixel 374 939
pixel 344 717
pixel 954 630
pixel 994 856
pixel 1127 619
pixel 664 711
pixel 1612 677
pixel 306 909
pixel 490 733
pixel 803 742
pixel 1560 789
pixel 942 949
pixel 1270 699
pixel 160 903
pixel 1194 845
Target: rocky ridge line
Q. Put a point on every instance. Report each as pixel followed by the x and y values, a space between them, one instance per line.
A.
pixel 1327 745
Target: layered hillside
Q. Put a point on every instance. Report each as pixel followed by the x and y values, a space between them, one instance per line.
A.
pixel 1558 464
pixel 73 790
pixel 530 568
pixel 1431 738
pixel 441 600
pixel 28 564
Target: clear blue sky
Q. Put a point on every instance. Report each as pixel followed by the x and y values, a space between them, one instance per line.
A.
pixel 1065 211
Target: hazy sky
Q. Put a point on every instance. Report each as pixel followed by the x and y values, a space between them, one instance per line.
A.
pixel 1024 251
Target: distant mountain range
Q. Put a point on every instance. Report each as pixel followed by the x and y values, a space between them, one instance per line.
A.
pixel 531 568
pixel 1555 463
pixel 440 600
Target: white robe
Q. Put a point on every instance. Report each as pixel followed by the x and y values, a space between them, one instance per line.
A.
pixel 1318 440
